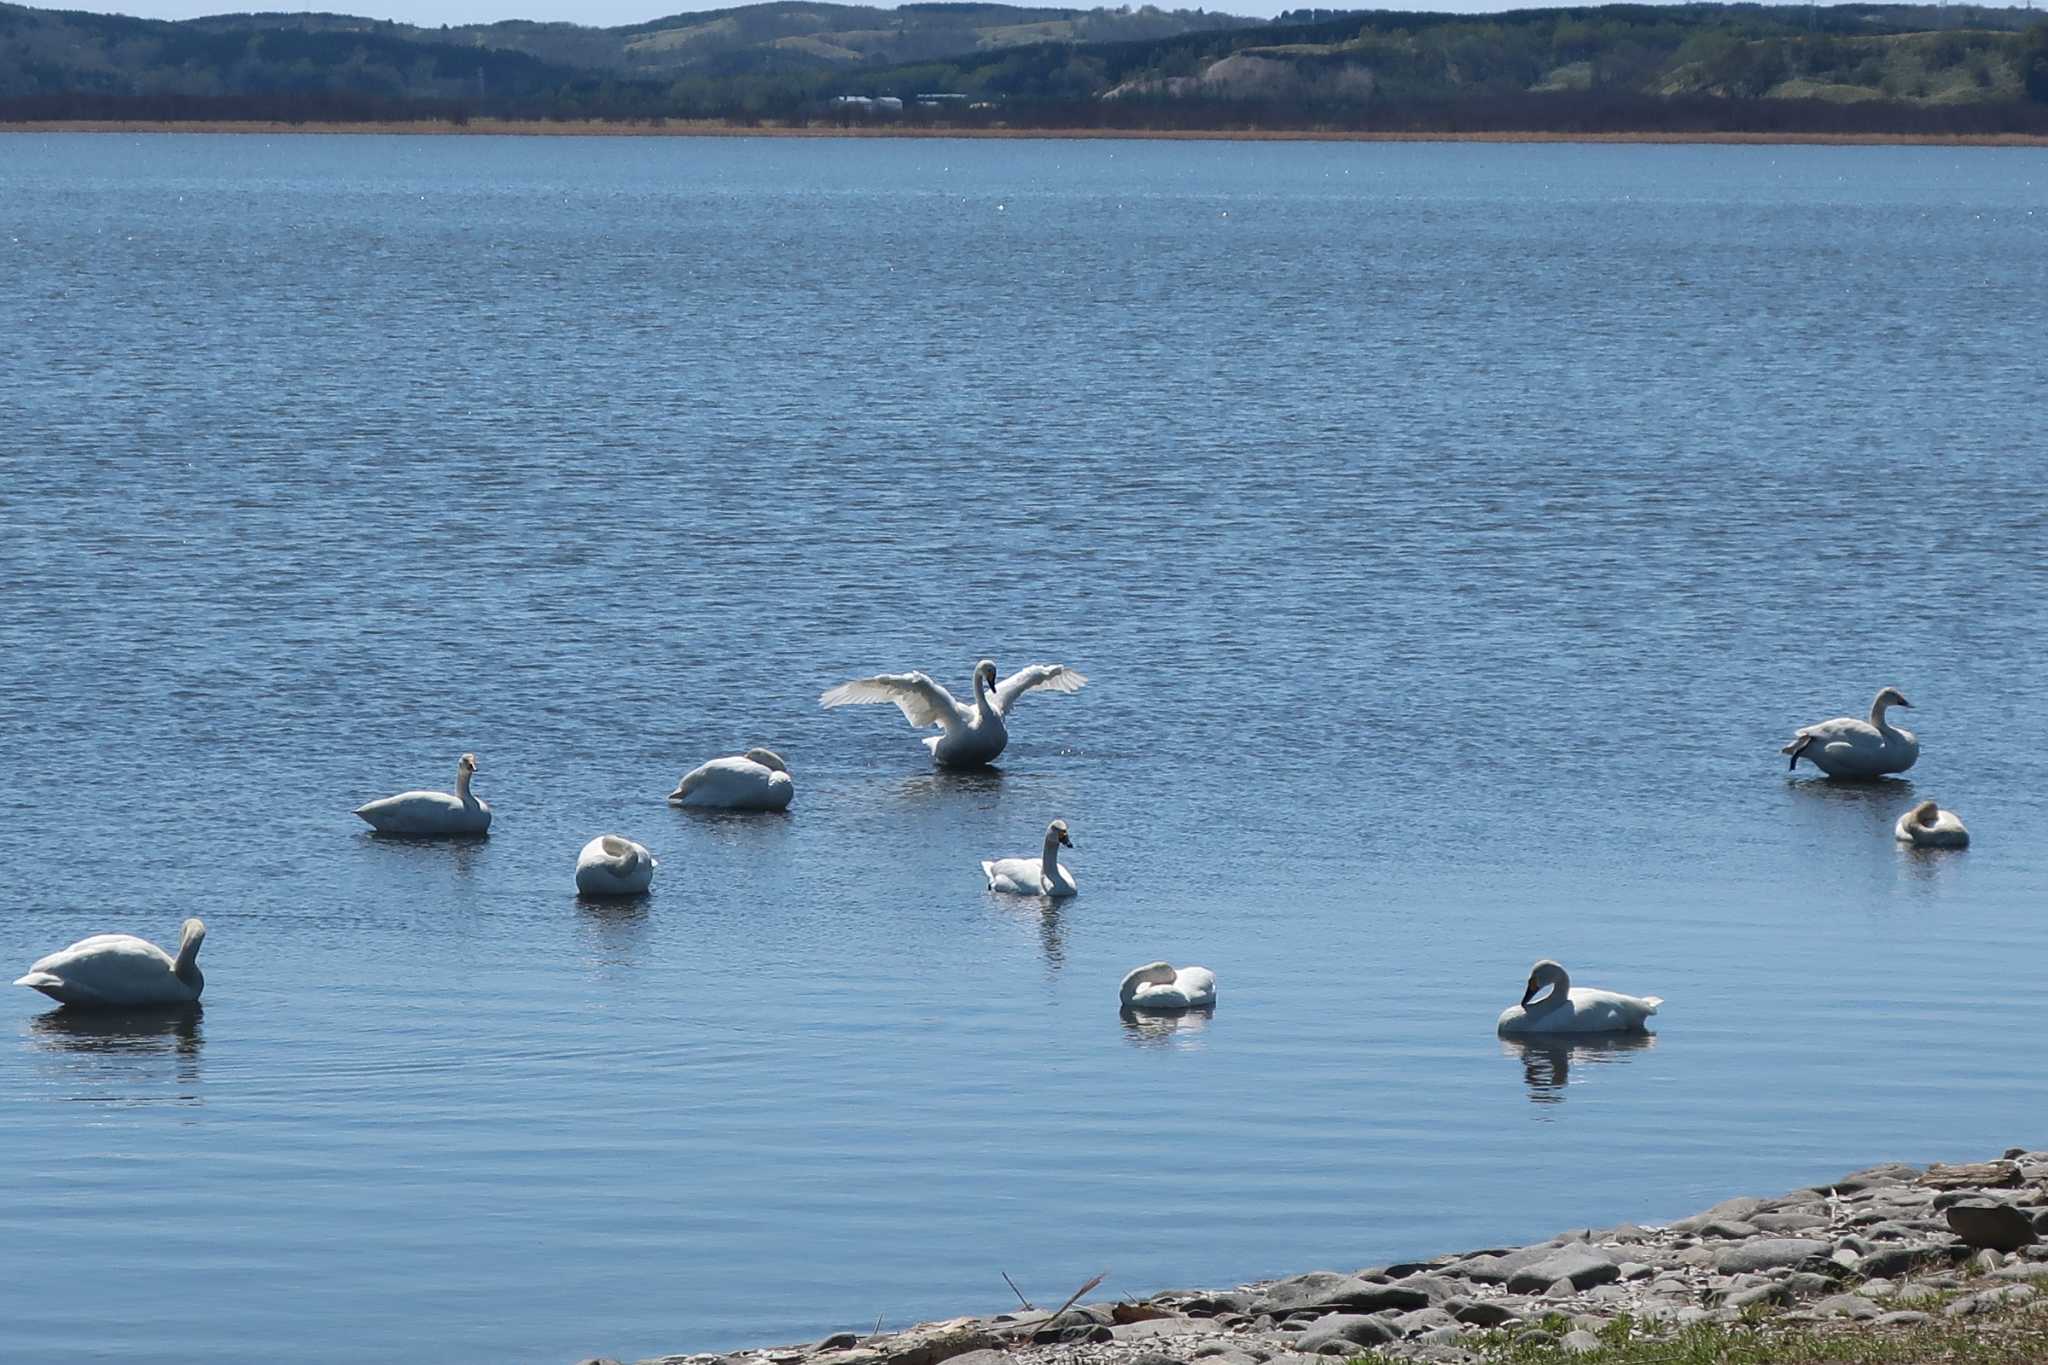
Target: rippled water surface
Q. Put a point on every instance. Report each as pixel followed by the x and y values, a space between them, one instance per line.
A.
pixel 1451 534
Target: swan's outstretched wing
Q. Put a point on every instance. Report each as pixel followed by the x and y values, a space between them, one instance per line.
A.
pixel 922 701
pixel 1051 677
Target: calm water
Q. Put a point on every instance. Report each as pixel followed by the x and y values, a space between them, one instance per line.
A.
pixel 1452 535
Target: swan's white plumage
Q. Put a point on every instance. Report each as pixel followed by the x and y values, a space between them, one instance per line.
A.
pixel 121 971
pixel 1040 876
pixel 430 812
pixel 1162 986
pixel 1050 677
pixel 1573 1009
pixel 971 733
pixel 1848 747
pixel 755 780
pixel 1927 825
pixel 613 865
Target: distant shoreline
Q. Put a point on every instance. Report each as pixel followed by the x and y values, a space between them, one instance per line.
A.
pixel 689 128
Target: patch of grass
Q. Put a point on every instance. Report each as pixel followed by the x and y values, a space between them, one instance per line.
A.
pixel 2005 1337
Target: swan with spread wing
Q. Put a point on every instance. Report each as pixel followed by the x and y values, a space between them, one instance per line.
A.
pixel 969 735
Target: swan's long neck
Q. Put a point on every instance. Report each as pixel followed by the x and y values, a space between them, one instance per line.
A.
pixel 1877 710
pixel 1050 866
pixel 187 965
pixel 462 785
pixel 981 695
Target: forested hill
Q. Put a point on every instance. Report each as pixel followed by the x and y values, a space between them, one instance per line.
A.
pixel 1692 67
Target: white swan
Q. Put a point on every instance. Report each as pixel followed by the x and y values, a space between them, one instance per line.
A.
pixel 425 812
pixel 1848 747
pixel 611 865
pixel 755 780
pixel 1929 826
pixel 1159 986
pixel 121 971
pixel 971 734
pixel 1041 876
pixel 1573 1009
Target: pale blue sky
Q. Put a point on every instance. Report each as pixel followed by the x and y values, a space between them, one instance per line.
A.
pixel 603 12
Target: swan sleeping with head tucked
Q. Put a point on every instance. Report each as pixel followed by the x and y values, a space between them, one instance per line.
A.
pixel 1040 876
pixel 1929 826
pixel 121 971
pixel 611 865
pixel 755 780
pixel 425 812
pixel 969 735
pixel 1573 1009
pixel 1160 986
pixel 1848 747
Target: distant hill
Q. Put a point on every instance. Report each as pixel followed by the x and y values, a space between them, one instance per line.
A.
pixel 48 50
pixel 1618 67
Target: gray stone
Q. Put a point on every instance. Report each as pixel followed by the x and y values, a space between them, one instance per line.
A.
pixel 1788 1222
pixel 1846 1306
pixel 1489 1313
pixel 1346 1329
pixel 1156 1358
pixel 1582 1267
pixel 1495 1268
pixel 1435 1287
pixel 1805 1283
pixel 1325 1291
pixel 1902 1317
pixel 1423 1320
pixel 1891 1173
pixel 838 1341
pixel 1725 1211
pixel 1636 1270
pixel 1888 1263
pixel 1770 1253
pixel 1725 1230
pixel 2000 1227
pixel 1439 1336
pixel 1774 1294
pixel 1580 1342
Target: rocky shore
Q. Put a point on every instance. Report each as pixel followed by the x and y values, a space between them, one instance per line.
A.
pixel 1891 1249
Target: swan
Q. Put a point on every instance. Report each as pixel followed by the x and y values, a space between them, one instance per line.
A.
pixel 121 971
pixel 1848 747
pixel 971 735
pixel 611 865
pixel 1042 876
pixel 432 812
pixel 755 780
pixel 1929 826
pixel 1158 986
pixel 1573 1009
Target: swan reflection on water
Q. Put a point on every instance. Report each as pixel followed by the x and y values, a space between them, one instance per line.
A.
pixel 1547 1060
pixel 1177 1028
pixel 463 849
pixel 613 927
pixel 947 784
pixel 103 1047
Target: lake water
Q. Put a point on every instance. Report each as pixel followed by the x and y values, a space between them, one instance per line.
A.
pixel 1451 534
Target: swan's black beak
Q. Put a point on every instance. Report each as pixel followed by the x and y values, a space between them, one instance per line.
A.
pixel 1903 702
pixel 1065 840
pixel 1530 994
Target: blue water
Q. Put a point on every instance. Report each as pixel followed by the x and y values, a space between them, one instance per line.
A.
pixel 1451 534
